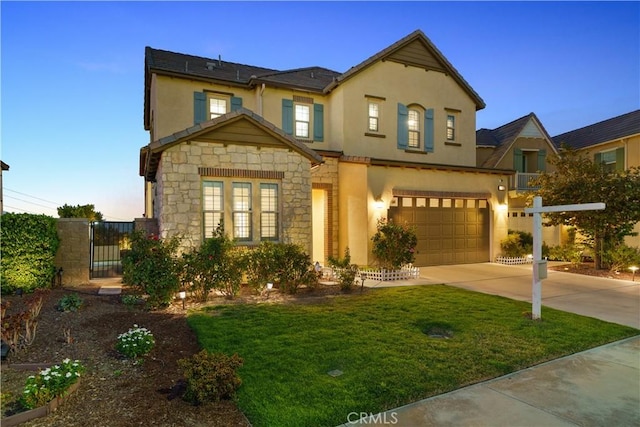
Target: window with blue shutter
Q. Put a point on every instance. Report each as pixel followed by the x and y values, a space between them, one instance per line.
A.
pixel 542 160
pixel 287 116
pixel 318 122
pixel 428 130
pixel 403 126
pixel 236 103
pixel 199 107
pixel 518 160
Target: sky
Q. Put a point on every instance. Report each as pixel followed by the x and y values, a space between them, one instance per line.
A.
pixel 72 73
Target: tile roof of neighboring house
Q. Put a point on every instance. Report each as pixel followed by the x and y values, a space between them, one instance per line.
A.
pixel 150 154
pixel 607 130
pixel 503 137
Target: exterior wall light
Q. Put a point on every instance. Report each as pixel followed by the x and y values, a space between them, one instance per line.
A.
pixel 378 203
pixel 501 187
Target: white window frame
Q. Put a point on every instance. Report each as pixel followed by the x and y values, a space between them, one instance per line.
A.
pixel 373 122
pixel 217 102
pixel 414 128
pixel 302 120
pixel 451 127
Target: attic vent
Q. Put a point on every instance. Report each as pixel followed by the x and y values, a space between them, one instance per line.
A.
pixel 211 65
pixel 312 76
pixel 237 74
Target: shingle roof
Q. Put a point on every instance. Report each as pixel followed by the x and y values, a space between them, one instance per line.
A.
pixel 607 130
pixel 150 154
pixel 504 136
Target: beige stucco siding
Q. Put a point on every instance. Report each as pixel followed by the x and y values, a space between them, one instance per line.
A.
pixel 397 83
pixel 527 144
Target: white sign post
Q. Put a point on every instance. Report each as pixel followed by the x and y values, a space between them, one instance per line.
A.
pixel 540 266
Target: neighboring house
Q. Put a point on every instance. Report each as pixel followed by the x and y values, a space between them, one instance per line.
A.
pixel 316 157
pixel 614 142
pixel 524 146
pixel 3 167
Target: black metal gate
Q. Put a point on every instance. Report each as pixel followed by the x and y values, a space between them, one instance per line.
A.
pixel 110 240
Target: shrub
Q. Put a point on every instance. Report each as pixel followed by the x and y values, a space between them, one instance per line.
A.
pixel 621 257
pixel 28 244
pixel 210 376
pixel 71 302
pixel 50 382
pixel 215 265
pixel 344 270
pixel 394 244
pixel 135 342
pixel 284 264
pixel 153 268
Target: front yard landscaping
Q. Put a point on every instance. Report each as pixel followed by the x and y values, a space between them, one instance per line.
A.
pixel 314 363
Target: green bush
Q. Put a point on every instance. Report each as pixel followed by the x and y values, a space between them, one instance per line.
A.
pixel 217 264
pixel 153 268
pixel 344 270
pixel 210 377
pixel 284 264
pixel 394 244
pixel 70 302
pixel 621 257
pixel 28 244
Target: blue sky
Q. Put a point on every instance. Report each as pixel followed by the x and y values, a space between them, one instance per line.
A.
pixel 72 72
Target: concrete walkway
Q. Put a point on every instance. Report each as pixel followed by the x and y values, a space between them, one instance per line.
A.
pixel 598 387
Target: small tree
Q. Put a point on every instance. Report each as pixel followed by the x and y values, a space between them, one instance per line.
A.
pixel 80 211
pixel 577 179
pixel 394 244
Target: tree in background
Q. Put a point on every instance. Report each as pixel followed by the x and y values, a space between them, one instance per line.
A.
pixel 80 211
pixel 578 179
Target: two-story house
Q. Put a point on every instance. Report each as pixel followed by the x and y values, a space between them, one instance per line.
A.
pixel 316 157
pixel 614 142
pixel 524 146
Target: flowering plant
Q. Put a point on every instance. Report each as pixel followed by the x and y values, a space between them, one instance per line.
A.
pixel 135 342
pixel 50 382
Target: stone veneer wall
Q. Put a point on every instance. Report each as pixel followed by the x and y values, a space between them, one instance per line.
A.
pixel 179 189
pixel 73 252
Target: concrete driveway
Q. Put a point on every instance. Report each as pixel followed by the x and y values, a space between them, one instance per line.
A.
pixel 612 300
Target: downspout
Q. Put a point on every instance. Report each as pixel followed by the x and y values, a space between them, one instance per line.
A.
pixel 260 92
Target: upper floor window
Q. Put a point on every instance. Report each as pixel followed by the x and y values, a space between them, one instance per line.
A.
pixel 217 107
pixel 374 116
pixel 413 124
pixel 302 120
pixel 451 127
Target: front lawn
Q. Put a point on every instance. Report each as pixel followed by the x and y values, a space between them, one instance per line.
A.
pixel 393 346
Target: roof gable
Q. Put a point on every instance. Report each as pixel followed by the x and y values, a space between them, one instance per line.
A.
pixel 414 50
pixel 605 131
pixel 503 137
pixel 239 127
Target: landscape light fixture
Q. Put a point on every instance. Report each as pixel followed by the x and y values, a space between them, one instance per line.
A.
pixel 183 296
pixel 633 269
pixel 269 287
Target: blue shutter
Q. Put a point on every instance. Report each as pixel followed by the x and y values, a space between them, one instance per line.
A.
pixel 517 160
pixel 318 122
pixel 403 126
pixel 542 160
pixel 620 159
pixel 597 158
pixel 199 107
pixel 287 116
pixel 236 103
pixel 428 130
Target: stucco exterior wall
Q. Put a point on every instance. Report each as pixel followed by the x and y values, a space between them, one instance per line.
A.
pixel 179 200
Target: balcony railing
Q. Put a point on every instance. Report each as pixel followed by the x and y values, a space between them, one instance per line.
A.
pixel 524 181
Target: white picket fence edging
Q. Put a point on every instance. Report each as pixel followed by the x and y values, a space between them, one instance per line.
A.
pixel 514 260
pixel 381 275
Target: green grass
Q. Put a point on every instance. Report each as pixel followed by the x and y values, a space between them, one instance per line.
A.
pixel 378 340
